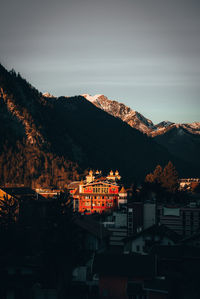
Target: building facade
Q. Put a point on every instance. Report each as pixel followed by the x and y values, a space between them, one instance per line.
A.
pixel 96 193
pixel 183 220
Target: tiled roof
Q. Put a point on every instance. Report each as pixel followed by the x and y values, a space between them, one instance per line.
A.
pixel 73 185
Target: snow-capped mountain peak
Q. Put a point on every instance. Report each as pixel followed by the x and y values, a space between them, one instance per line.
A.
pixel 137 120
pixel 125 113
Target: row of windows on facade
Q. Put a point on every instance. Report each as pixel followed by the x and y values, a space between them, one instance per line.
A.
pixel 98 204
pixel 182 213
pixel 185 218
pixel 99 190
pixel 97 197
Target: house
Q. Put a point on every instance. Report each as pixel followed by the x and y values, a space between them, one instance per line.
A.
pixel 11 200
pixel 93 238
pixel 180 264
pixel 32 207
pixel 20 193
pixel 143 241
pixel 115 271
pixel 141 215
pixel 184 220
pixel 97 194
pixel 189 183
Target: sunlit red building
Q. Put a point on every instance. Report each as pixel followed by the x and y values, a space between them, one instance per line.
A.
pixel 96 193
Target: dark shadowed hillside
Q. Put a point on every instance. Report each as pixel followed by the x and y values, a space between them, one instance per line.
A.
pixel 181 140
pixel 49 141
pixel 181 143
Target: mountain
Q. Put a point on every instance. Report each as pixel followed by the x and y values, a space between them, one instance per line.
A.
pixel 181 140
pixel 49 141
pixel 137 120
pixel 29 153
pixel 165 126
pixel 131 117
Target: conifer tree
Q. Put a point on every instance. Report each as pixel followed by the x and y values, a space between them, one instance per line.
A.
pixel 169 178
pixel 157 174
pixel 8 210
pixel 149 178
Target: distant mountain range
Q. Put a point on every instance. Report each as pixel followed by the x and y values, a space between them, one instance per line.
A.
pixel 137 120
pixel 181 140
pixel 49 141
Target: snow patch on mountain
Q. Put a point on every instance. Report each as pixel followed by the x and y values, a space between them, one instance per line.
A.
pixel 164 124
pixel 91 98
pixel 47 95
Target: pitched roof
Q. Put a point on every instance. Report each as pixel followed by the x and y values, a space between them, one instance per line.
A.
pixel 122 190
pixel 125 265
pixel 155 229
pixel 22 192
pixel 73 185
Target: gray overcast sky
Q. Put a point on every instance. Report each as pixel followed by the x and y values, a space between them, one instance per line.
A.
pixel 144 53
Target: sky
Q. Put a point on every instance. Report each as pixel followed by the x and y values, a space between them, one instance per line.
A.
pixel 143 53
